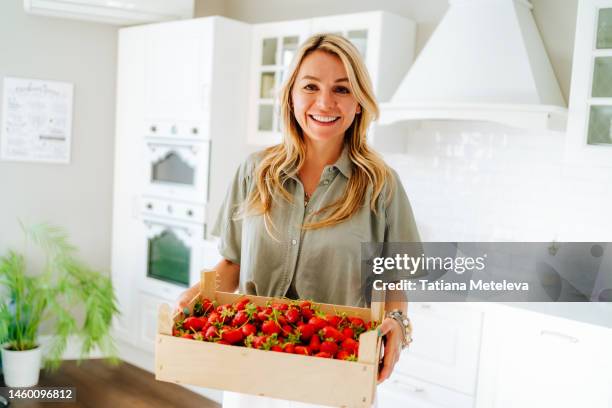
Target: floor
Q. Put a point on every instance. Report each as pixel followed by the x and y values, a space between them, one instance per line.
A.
pixel 99 385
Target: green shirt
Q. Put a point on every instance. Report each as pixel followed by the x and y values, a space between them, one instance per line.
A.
pixel 322 264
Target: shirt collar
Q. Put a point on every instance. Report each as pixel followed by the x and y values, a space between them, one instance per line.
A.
pixel 344 163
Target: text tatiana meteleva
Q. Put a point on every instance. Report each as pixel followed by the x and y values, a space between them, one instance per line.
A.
pixel 424 284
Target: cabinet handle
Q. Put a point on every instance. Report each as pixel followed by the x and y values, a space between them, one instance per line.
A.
pixel 149 206
pixel 153 128
pixel 552 333
pixel 410 387
pixel 426 306
pixel 194 130
pixel 189 213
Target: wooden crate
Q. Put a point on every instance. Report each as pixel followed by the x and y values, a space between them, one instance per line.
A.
pixel 266 373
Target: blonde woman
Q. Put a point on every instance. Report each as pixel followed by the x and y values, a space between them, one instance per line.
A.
pixel 296 213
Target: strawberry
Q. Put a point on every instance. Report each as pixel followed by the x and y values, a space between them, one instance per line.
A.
pixel 315 344
pixel 231 335
pixel 193 323
pixel 329 346
pixel 249 329
pixel 211 333
pixel 289 348
pixel 323 354
pixel 356 322
pixel 287 330
pixel 292 315
pixel 301 350
pixel 276 347
pixel 317 322
pixel 240 318
pixel 307 312
pixel 348 333
pixel 214 318
pixel 222 342
pixel 241 304
pixel 270 327
pixel 187 336
pixel 280 306
pixel 330 332
pixel 345 355
pixel 350 345
pixel 306 331
pixel 333 320
pixel 305 304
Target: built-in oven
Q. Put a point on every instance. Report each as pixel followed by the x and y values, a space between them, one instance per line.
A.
pixel 172 249
pixel 178 169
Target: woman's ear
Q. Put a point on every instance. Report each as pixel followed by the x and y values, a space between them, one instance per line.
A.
pixel 358 111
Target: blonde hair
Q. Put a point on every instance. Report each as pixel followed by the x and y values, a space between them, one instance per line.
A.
pixel 280 161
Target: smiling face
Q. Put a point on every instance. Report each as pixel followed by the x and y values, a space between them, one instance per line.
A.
pixel 323 102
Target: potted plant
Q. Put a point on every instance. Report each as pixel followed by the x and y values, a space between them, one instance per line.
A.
pixel 62 292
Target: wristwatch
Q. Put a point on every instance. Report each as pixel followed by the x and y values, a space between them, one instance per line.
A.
pixel 404 322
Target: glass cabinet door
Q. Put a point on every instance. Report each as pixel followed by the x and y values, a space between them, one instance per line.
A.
pixel 168 258
pixel 600 103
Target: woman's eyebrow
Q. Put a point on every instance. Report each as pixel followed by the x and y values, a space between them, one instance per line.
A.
pixel 317 79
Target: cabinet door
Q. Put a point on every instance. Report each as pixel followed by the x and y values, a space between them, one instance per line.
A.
pixel 178 71
pixel 273 48
pixel 446 345
pixel 535 360
pixel 362 29
pixel 589 131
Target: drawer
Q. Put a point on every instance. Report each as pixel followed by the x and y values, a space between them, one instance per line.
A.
pixel 404 391
pixel 446 345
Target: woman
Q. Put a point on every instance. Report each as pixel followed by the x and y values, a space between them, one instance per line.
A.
pixel 296 213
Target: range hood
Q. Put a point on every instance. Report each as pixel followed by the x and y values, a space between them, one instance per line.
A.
pixel 484 62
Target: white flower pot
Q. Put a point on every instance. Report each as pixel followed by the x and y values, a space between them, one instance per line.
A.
pixel 21 368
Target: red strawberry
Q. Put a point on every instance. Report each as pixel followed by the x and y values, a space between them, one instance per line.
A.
pixel 223 342
pixel 333 320
pixel 289 348
pixel 270 327
pixel 193 323
pixel 305 304
pixel 287 330
pixel 187 336
pixel 292 315
pixel 240 305
pixel 345 355
pixel 330 332
pixel 306 331
pixel 350 345
pixel 211 333
pixel 249 329
pixel 317 322
pixel 240 318
pixel 329 346
pixel 214 318
pixel 280 306
pixel 276 347
pixel 301 350
pixel 348 333
pixel 307 313
pixel 232 336
pixel 315 344
pixel 356 322
pixel 323 354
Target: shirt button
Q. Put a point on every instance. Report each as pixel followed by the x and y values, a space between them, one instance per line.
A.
pixel 330 169
pixel 293 241
pixel 326 182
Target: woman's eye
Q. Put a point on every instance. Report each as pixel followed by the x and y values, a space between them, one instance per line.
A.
pixel 343 90
pixel 310 87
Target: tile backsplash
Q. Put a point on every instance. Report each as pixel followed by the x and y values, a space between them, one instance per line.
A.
pixel 476 181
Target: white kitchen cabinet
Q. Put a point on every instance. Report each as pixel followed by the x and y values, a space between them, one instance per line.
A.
pixel 535 360
pixel 589 130
pixel 404 391
pixel 446 345
pixel 273 48
pixel 181 110
pixel 385 40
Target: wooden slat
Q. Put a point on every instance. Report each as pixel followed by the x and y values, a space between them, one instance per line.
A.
pixel 265 373
pixel 208 283
pixel 164 320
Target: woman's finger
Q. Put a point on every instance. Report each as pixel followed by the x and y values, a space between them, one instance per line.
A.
pixel 391 356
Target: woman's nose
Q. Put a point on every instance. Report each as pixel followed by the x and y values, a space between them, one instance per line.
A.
pixel 325 100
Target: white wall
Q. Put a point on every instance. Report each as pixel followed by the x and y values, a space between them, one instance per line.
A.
pixel 75 196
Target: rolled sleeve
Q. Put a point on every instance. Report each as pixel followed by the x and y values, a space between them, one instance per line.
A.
pixel 227 226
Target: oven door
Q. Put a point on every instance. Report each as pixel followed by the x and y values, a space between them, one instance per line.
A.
pixel 177 170
pixel 171 253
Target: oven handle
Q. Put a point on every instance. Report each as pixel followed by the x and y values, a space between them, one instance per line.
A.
pixel 187 231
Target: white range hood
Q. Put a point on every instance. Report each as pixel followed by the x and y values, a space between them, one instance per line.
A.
pixel 484 62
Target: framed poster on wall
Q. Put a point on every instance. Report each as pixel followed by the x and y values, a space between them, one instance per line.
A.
pixel 36 120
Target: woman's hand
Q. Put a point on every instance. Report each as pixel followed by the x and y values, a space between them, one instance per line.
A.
pixel 392 331
pixel 186 297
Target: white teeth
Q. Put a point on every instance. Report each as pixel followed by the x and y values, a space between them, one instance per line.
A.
pixel 324 118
